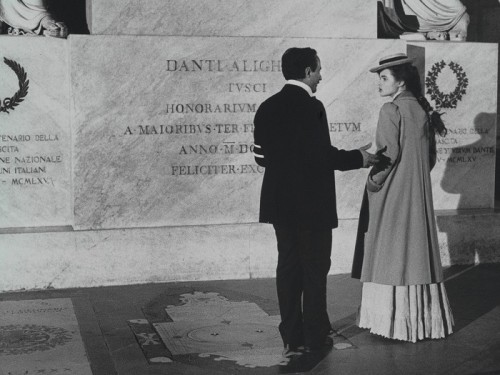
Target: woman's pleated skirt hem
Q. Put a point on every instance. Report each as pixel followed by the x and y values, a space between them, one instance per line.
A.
pixel 407 313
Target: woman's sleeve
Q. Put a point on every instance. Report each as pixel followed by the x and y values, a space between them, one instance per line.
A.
pixel 387 136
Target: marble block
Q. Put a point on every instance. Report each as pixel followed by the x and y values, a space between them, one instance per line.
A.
pixel 192 253
pixel 35 136
pixel 163 125
pixel 461 82
pixel 282 18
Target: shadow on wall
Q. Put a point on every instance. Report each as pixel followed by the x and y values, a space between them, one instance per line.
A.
pixel 473 183
pixel 466 246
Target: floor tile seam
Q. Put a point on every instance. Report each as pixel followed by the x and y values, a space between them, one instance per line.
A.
pixel 451 369
pixel 95 345
pixel 453 276
pixel 132 345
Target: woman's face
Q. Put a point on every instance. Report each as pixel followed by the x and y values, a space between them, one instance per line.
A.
pixel 387 85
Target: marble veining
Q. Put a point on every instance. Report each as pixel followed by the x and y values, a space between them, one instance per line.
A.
pixel 143 157
pixel 282 18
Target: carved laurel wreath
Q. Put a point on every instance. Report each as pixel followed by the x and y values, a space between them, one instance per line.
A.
pixel 8 104
pixel 441 99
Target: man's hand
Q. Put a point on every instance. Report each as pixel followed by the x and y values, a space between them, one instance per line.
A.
pixel 368 159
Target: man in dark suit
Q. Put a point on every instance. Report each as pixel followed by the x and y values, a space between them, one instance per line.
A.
pixel 292 142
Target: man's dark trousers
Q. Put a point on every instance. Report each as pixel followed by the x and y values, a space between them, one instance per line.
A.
pixel 303 265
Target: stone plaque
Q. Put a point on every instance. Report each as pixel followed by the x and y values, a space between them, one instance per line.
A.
pixel 461 82
pixel 41 337
pixel 163 125
pixel 34 133
pixel 281 18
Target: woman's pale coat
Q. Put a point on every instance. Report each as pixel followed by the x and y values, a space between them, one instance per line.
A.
pixel 399 246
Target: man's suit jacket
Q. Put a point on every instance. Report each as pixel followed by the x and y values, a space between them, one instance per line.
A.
pixel 292 142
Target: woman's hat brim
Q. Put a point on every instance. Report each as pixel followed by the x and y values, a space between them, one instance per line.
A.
pixel 378 68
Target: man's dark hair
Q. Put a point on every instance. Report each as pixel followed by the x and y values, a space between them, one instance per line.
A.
pixel 295 61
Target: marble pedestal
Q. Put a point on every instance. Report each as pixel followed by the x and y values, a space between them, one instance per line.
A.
pixel 170 254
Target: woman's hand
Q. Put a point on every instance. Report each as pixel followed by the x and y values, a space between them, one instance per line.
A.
pixel 383 161
pixel 368 159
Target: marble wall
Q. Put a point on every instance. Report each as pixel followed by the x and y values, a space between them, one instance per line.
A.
pixel 165 138
pixel 278 18
pixel 41 260
pixel 35 134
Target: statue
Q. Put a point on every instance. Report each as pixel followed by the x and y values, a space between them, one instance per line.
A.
pixel 30 17
pixel 423 19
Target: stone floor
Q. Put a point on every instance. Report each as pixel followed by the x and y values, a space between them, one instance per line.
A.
pixel 230 327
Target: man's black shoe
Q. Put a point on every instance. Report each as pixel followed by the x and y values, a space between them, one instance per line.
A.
pixel 292 351
pixel 332 332
pixel 327 344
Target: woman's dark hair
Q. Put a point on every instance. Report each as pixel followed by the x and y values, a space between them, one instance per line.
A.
pixel 295 61
pixel 409 74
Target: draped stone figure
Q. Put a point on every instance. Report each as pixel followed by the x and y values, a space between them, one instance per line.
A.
pixel 30 17
pixel 423 19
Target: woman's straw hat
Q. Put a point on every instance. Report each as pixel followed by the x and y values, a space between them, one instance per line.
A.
pixel 392 60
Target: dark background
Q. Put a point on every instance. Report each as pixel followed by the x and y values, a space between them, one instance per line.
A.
pixel 485 27
pixel 71 12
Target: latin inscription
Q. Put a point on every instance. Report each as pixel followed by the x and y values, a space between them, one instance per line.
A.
pixel 239 66
pixel 209 108
pixel 35 311
pixel 42 371
pixel 209 141
pixel 219 147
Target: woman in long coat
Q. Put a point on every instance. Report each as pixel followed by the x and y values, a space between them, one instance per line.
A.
pixel 397 252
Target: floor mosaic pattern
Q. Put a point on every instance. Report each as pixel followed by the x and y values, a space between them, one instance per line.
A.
pixel 212 327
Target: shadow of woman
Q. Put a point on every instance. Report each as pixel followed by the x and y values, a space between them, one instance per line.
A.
pixel 470 173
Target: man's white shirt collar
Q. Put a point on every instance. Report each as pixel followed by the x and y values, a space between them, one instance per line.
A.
pixel 300 84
